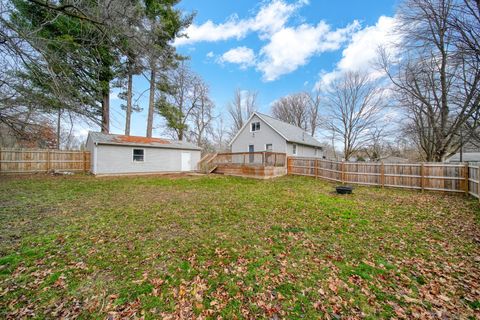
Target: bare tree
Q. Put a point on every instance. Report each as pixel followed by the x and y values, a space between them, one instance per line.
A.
pixel 437 80
pixel 299 109
pixel 202 115
pixel 353 104
pixel 377 147
pixel 185 104
pixel 219 134
pixel 293 109
pixel 314 111
pixel 243 105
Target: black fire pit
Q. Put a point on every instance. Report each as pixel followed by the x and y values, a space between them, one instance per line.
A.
pixel 344 189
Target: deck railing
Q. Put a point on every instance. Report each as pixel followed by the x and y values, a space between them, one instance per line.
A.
pixel 268 159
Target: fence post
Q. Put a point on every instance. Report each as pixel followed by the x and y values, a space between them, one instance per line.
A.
pixel 48 160
pixel 422 175
pixel 466 175
pixel 343 172
pixel 316 168
pixel 289 165
pixel 382 174
pixel 84 161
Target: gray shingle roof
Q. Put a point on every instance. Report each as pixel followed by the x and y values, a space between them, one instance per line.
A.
pixel 290 132
pixel 116 139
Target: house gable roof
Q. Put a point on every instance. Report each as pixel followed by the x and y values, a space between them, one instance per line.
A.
pixel 289 132
pixel 121 140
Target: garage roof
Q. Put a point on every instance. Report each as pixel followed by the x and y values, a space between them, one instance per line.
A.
pixel 121 140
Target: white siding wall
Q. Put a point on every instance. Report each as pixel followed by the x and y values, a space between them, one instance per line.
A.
pixel 258 138
pixel 304 151
pixel 118 159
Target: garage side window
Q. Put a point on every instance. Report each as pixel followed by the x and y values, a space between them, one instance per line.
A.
pixel 138 155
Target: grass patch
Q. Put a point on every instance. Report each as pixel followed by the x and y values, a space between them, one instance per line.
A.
pixel 232 247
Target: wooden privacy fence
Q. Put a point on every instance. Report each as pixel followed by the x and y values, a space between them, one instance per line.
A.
pixel 422 176
pixel 18 161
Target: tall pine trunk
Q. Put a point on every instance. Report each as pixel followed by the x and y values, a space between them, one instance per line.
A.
pixel 106 111
pixel 151 103
pixel 129 103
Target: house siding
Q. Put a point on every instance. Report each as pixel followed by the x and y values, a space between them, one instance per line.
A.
pixel 259 139
pixel 112 159
pixel 304 150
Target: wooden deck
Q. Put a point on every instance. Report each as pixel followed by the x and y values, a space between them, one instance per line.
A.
pixel 260 165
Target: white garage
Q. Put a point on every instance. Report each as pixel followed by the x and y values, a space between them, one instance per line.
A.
pixel 113 154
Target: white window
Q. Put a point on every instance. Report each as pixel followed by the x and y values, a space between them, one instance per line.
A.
pixel 269 147
pixel 294 149
pixel 138 155
pixel 255 126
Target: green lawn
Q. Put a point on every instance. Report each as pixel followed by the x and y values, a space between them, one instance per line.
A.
pixel 204 247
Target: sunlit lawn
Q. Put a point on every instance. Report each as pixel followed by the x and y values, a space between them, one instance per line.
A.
pixel 203 247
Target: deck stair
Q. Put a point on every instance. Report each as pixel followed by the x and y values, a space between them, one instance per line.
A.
pixel 206 164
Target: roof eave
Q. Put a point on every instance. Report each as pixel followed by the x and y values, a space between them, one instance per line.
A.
pixel 149 146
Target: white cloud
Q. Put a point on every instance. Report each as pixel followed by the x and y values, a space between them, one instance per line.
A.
pixel 290 48
pixel 361 52
pixel 271 17
pixel 210 32
pixel 287 47
pixel 210 54
pixel 243 56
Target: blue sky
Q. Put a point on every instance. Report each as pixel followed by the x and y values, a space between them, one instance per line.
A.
pixel 274 47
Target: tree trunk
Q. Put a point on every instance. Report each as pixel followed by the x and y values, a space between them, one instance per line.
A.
pixel 151 103
pixel 106 111
pixel 129 104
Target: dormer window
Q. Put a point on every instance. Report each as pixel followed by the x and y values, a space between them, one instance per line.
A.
pixel 255 126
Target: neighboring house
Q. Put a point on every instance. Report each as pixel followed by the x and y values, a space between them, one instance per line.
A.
pixel 117 154
pixel 466 157
pixel 264 133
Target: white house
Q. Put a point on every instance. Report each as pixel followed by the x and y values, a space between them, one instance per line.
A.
pixel 113 154
pixel 264 133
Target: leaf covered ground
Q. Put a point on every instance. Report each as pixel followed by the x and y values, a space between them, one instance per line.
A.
pixel 214 247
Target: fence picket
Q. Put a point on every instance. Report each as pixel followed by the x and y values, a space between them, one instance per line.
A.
pixel 422 176
pixel 17 161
